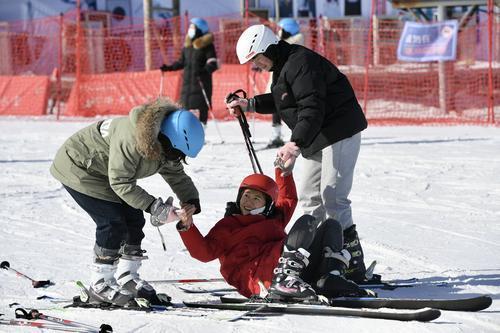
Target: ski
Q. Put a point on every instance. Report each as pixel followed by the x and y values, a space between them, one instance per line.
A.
pixel 374 283
pixel 367 285
pixel 180 281
pixel 42 325
pixel 34 314
pixel 198 290
pixel 377 283
pixel 471 304
pixel 423 315
pixel 141 304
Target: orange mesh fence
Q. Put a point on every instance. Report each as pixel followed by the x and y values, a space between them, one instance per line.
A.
pixel 410 92
pixel 23 95
pixel 104 65
pixel 118 93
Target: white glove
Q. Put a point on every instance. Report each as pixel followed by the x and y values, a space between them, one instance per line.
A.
pixel 162 213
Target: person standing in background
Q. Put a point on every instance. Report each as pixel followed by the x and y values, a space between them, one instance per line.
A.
pixel 199 61
pixel 290 32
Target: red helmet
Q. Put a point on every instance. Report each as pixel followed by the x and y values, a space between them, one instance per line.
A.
pixel 261 183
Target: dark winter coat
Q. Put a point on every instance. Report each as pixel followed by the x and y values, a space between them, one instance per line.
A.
pixel 248 246
pixel 105 160
pixel 199 60
pixel 313 98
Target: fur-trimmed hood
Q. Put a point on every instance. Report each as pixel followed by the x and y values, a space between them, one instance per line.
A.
pixel 296 39
pixel 147 119
pixel 199 42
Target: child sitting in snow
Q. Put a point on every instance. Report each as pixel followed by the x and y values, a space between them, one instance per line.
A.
pixel 252 245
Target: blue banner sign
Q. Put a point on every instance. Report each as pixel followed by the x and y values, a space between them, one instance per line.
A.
pixel 428 42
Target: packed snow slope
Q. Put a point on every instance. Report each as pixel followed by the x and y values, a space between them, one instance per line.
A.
pixel 426 201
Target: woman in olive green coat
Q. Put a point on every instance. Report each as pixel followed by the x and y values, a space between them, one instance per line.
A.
pixel 99 166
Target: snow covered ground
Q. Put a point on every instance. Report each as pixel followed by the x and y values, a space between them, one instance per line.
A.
pixel 426 201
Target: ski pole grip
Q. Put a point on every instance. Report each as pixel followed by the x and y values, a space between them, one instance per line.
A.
pixel 234 95
pixel 231 97
pixel 5 265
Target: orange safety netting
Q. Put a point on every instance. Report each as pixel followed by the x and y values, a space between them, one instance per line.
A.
pixel 104 67
pixel 23 95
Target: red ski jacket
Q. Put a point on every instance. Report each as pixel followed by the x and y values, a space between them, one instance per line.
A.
pixel 247 246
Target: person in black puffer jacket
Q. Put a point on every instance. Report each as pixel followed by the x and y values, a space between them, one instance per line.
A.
pixel 199 61
pixel 318 104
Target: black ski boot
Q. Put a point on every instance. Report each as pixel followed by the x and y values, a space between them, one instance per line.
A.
pixel 356 270
pixel 332 282
pixel 287 286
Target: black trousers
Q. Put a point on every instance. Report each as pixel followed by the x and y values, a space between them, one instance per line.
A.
pixel 203 114
pixel 116 223
pixel 306 234
pixel 199 104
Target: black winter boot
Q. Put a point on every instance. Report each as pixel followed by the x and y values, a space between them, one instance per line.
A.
pixel 356 270
pixel 287 285
pixel 275 143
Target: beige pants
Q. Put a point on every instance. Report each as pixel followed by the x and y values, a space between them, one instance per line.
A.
pixel 327 181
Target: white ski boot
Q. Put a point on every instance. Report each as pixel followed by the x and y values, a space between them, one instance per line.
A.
pixel 128 277
pixel 105 289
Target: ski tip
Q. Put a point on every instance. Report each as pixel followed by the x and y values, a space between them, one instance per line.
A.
pixel 483 302
pixel 429 314
pixel 5 265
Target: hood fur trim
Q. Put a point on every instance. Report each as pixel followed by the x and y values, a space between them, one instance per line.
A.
pixel 296 39
pixel 148 119
pixel 199 42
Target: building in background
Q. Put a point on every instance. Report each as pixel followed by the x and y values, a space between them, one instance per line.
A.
pixel 133 9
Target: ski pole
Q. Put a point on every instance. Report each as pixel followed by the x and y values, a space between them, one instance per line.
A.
pixel 246 131
pixel 173 281
pixel 36 284
pixel 162 239
pixel 35 314
pixel 248 142
pixel 210 109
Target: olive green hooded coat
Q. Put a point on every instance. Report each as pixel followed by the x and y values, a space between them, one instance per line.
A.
pixel 105 159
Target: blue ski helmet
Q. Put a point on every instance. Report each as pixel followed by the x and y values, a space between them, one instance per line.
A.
pixel 200 24
pixel 184 131
pixel 289 25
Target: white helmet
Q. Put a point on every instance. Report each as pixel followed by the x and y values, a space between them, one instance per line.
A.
pixel 254 40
